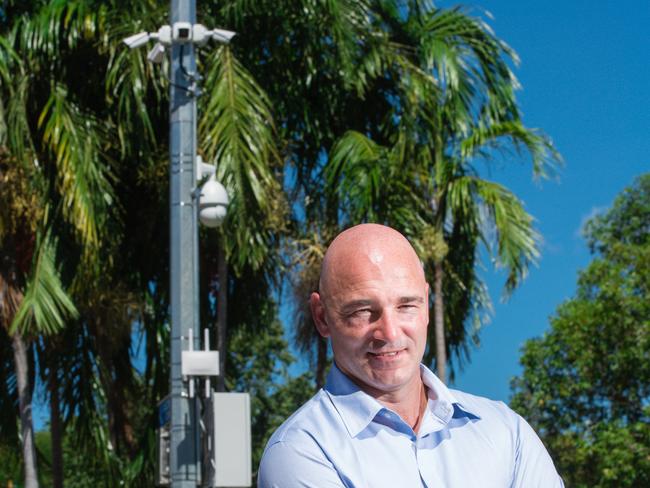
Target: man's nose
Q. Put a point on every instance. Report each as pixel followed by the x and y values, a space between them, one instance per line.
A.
pixel 386 327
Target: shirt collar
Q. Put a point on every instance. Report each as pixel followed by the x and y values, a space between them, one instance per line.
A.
pixel 358 409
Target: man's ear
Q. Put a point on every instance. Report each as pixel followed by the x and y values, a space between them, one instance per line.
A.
pixel 318 314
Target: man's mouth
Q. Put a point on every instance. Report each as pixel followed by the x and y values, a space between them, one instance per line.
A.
pixel 385 354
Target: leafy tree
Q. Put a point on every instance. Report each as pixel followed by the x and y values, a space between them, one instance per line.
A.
pixel 586 383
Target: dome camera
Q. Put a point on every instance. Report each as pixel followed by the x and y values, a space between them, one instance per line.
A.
pixel 213 203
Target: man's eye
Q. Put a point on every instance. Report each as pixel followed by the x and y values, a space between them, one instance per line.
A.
pixel 362 312
pixel 408 307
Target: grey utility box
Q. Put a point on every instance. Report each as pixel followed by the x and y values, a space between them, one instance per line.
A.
pixel 231 441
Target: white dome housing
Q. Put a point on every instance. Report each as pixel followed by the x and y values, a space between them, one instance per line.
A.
pixel 213 203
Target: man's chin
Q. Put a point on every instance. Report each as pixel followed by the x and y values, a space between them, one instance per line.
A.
pixel 382 382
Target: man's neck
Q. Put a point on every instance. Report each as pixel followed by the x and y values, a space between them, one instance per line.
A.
pixel 410 407
pixel 408 402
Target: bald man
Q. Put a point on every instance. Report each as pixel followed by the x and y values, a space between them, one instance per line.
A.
pixel 384 419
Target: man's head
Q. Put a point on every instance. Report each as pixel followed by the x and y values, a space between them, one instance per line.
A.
pixel 373 304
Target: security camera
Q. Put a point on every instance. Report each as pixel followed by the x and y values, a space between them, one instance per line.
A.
pixel 165 35
pixel 200 34
pixel 223 36
pixel 182 32
pixel 157 54
pixel 213 203
pixel 137 40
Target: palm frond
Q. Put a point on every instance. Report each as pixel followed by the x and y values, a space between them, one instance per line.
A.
pixel 136 88
pixel 129 79
pixel 18 136
pixel 469 62
pixel 75 140
pixel 46 305
pixel 239 136
pixel 356 173
pixel 59 25
pixel 348 22
pixel 8 59
pixel 238 128
pixel 517 241
pixel 353 147
pixel 545 157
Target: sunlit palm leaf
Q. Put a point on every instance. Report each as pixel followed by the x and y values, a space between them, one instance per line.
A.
pixel 18 136
pixel 135 87
pixel 356 173
pixel 8 59
pixel 238 134
pixel 59 25
pixel 238 127
pixel 129 77
pixel 374 183
pixel 347 22
pixel 544 156
pixel 499 216
pixel 353 146
pixel 469 63
pixel 46 305
pixel 75 139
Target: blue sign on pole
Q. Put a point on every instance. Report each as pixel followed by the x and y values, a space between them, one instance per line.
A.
pixel 164 412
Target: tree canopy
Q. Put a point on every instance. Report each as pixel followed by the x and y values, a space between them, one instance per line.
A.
pixel 586 384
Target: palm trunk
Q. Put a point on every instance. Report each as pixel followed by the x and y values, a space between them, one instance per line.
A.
pixel 222 316
pixel 321 362
pixel 439 322
pixel 115 381
pixel 25 405
pixel 55 431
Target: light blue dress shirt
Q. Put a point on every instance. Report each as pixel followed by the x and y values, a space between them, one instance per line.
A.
pixel 343 437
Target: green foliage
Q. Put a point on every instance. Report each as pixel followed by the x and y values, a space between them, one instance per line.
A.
pixel 586 383
pixel 238 134
pixel 79 470
pixel 45 305
pixel 258 364
pixel 11 466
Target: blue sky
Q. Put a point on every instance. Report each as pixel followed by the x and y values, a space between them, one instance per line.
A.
pixel 585 72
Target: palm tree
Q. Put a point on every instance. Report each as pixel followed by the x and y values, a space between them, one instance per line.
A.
pixel 457 107
pixel 53 151
pixel 320 70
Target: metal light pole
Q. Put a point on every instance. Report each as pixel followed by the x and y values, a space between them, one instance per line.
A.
pixel 194 193
pixel 185 468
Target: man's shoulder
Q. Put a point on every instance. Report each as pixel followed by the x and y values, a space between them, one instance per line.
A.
pixel 294 454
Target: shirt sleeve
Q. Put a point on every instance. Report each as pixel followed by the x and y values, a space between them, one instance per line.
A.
pixel 533 466
pixel 285 466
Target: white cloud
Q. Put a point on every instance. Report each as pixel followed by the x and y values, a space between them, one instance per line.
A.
pixel 587 217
